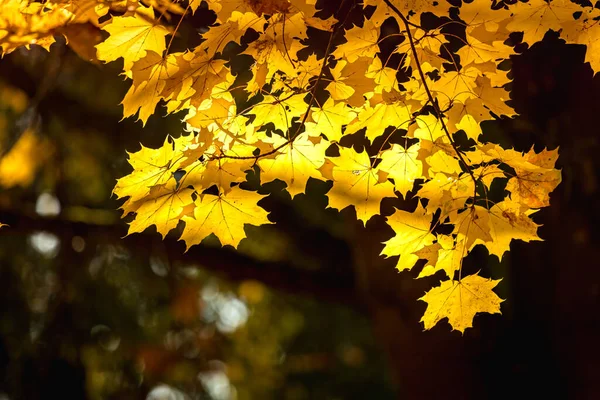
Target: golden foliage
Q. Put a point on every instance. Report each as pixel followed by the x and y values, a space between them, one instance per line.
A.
pixel 302 104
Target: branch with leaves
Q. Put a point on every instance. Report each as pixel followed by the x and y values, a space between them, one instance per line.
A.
pixel 390 106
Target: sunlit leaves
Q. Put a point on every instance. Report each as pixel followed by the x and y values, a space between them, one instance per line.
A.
pixel 395 116
pixel 132 36
pixel 286 130
pixel 24 22
pixel 509 220
pixel 224 215
pixel 411 233
pixel 330 118
pixel 162 207
pixel 150 76
pixel 356 183
pixel 459 301
pixel 360 42
pixel 376 119
pixel 151 167
pixel 296 162
pixel 402 166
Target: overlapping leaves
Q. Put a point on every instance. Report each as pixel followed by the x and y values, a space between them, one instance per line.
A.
pixel 287 118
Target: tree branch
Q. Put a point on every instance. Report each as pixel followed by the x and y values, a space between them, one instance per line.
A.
pixel 429 94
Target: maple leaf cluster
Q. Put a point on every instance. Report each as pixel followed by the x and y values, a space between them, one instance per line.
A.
pixel 291 113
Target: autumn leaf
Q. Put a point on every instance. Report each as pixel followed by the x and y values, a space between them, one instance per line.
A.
pixel 473 225
pixel 150 76
pixel 459 301
pixel 132 36
pixel 330 118
pixel 447 193
pixel 356 183
pixel 509 221
pixel 376 119
pixel 360 42
pixel 279 111
pixel 402 166
pixel 151 167
pixel 224 215
pixel 162 208
pixel 532 188
pixel 257 97
pixel 448 257
pixel 411 234
pixel 297 162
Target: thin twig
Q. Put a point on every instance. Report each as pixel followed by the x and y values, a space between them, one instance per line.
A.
pixel 310 103
pixel 431 98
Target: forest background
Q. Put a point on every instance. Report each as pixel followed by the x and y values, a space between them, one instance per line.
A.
pixel 105 316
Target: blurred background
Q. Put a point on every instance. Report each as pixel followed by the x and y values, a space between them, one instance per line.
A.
pixel 306 309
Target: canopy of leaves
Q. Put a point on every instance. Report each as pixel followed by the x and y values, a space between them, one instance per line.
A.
pixel 382 98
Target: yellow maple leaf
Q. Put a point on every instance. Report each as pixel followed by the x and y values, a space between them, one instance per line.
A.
pixel 440 158
pixel 532 187
pixel 459 301
pixel 509 220
pixel 428 127
pixel 330 118
pixel 361 41
pixel 224 215
pixel 473 225
pixel 353 77
pixel 280 111
pixel 477 52
pixel 447 193
pixel 337 89
pixel 536 17
pixel 211 113
pixel 298 161
pixel 217 37
pixel 448 258
pixel 585 30
pixel 275 50
pixel 455 86
pixel 306 70
pixel 384 77
pixel 150 75
pixel 132 36
pixel 220 172
pixel 356 183
pixel 487 174
pixel 151 167
pixel 430 254
pixel 535 176
pixel 377 119
pixel 458 118
pixel 411 234
pixel 494 98
pixel 161 207
pixel 197 78
pixel 402 166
